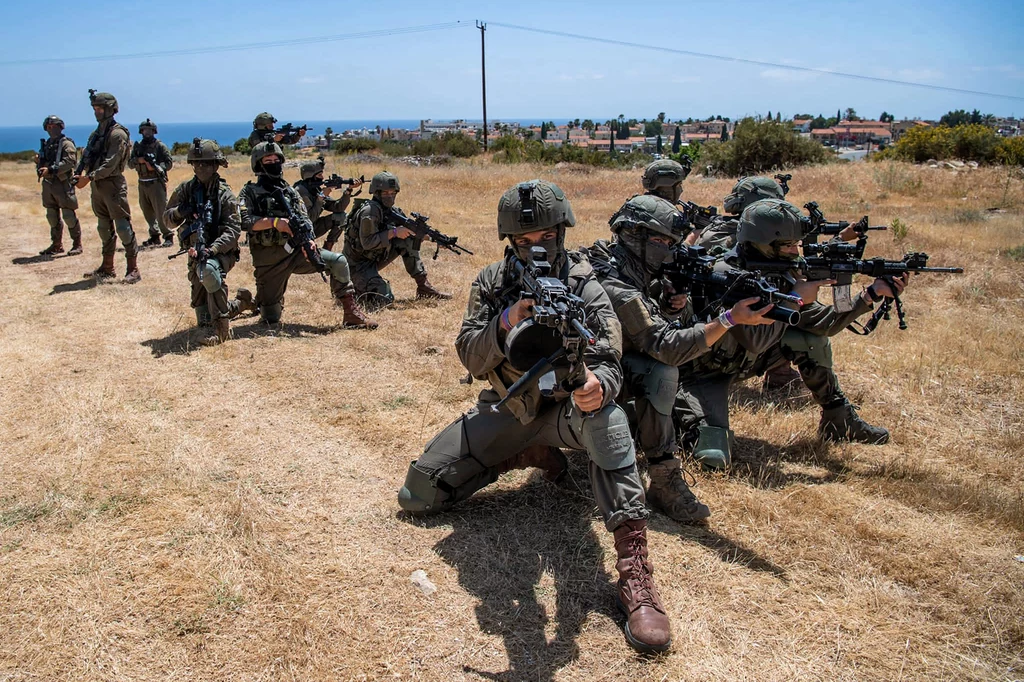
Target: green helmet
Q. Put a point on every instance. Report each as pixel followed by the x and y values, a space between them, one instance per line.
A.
pixel 663 173
pixel 263 119
pixel 531 206
pixel 311 168
pixel 751 189
pixel 105 100
pixel 206 150
pixel 651 213
pixel 770 220
pixel 384 180
pixel 261 150
pixel 51 120
pixel 147 124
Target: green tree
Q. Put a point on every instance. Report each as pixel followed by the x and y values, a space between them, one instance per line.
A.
pixel 759 146
pixel 661 117
pixel 677 141
pixel 886 117
pixel 725 133
pixel 543 131
pixel 242 145
pixel 839 117
pixel 818 122
pixel 658 149
pixel 851 114
pixel 652 128
pixel 587 125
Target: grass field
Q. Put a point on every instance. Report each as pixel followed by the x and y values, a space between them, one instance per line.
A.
pixel 172 513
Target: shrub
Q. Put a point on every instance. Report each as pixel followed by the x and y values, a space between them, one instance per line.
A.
pixel 1010 151
pixel 967 142
pixel 758 146
pixel 354 145
pixel 900 230
pixel 27 155
pixel 242 145
pixel 180 148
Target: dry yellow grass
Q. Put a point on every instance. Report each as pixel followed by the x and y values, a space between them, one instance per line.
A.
pixel 229 513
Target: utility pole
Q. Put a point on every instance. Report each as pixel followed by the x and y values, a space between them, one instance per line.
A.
pixel 483 76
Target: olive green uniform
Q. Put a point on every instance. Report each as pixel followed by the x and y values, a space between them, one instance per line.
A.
pixel 369 250
pixel 58 191
pixel 209 287
pixel 332 223
pixel 153 184
pixel 464 457
pixel 109 147
pixel 273 259
pixel 720 236
pixel 257 136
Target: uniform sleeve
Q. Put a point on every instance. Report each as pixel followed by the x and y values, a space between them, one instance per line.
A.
pixel 230 224
pixel 603 357
pixel 477 344
pixel 371 237
pixel 825 320
pixel 133 159
pixel 314 205
pixel 113 155
pixel 171 216
pixel 338 205
pixel 247 208
pixel 68 159
pixel 164 158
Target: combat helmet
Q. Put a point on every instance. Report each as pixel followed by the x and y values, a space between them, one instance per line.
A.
pixel 751 189
pixel 105 100
pixel 148 123
pixel 53 119
pixel 206 150
pixel 765 223
pixel 650 213
pixel 384 180
pixel 261 150
pixel 531 206
pixel 663 173
pixel 263 119
pixel 309 169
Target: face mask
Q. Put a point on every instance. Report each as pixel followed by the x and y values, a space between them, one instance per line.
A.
pixel 549 245
pixel 316 183
pixel 274 170
pixel 204 171
pixel 388 201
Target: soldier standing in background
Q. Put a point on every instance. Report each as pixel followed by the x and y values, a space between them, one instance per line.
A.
pixel 103 163
pixel 55 167
pixel 151 158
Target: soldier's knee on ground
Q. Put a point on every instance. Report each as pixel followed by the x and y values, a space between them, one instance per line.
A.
pixel 817 348
pixel 420 494
pixel 211 277
pixel 429 493
pixel 713 449
pixel 607 438
pixel 271 313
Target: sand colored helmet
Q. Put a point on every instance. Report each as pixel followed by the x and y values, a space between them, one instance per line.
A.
pixel 768 221
pixel 262 120
pixel 105 100
pixel 206 150
pixel 531 206
pixel 652 213
pixel 53 119
pixel 663 173
pixel 261 150
pixel 309 169
pixel 751 189
pixel 148 123
pixel 384 180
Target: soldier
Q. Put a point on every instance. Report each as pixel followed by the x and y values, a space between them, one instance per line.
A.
pixel 472 451
pixel 151 158
pixel 772 229
pixel 55 168
pixel 720 236
pixel 657 338
pixel 664 178
pixel 103 163
pixel 263 126
pixel 219 252
pixel 317 199
pixel 265 216
pixel 370 245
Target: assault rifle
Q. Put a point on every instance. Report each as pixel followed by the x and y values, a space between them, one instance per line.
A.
pixel 200 219
pixel 150 158
pixel 289 131
pixel 418 224
pixel 41 161
pixel 815 225
pixel 335 181
pixel 302 233
pixel 698 216
pixel 558 310
pixel 841 261
pixel 783 181
pixel 692 272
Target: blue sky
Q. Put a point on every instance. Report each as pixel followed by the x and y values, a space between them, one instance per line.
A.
pixel 976 46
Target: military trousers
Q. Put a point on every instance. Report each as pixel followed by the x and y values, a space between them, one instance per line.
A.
pixel 153 201
pixel 60 201
pixel 652 387
pixel 113 215
pixel 274 265
pixel 331 224
pixel 464 457
pixel 210 287
pixel 371 286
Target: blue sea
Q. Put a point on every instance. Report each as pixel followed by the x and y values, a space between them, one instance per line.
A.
pixel 20 138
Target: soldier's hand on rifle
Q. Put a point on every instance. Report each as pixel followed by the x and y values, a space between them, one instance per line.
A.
pixel 849 233
pixel 691 238
pixel 44 172
pixel 808 291
pixel 590 396
pixel 745 313
pixel 401 233
pixel 356 184
pixel 883 289
pixel 675 302
pixel 519 311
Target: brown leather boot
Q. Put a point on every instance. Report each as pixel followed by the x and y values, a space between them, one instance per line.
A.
pixel 76 248
pixel 544 457
pixel 246 304
pixel 222 332
pixel 132 275
pixel 52 250
pixel 354 315
pixel 105 270
pixel 424 289
pixel 669 493
pixel 782 377
pixel 647 626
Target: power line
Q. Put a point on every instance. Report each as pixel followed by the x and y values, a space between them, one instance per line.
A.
pixel 244 46
pixel 741 60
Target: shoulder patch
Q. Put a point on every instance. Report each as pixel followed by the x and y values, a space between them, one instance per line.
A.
pixel 634 316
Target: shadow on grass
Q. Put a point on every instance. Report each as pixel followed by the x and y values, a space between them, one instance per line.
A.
pixel 726 549
pixel 83 284
pixel 185 341
pixel 32 260
pixel 759 463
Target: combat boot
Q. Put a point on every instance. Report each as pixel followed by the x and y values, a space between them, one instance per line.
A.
pixel 151 242
pixel 354 315
pixel 105 270
pixel 222 332
pixel 131 276
pixel 841 423
pixel 424 289
pixel 168 241
pixel 243 297
pixel 76 248
pixel 647 625
pixel 52 250
pixel 544 457
pixel 669 494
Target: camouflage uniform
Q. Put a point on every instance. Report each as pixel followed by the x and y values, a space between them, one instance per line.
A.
pixel 106 155
pixel 153 184
pixel 475 449
pixel 263 125
pixel 720 236
pixel 333 222
pixel 58 191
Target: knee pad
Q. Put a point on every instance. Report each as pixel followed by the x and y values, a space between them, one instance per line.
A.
pixel 124 231
pixel 202 315
pixel 607 438
pixel 53 217
pixel 210 277
pixel 653 381
pixel 271 313
pixel 817 348
pixel 421 494
pixel 69 215
pixel 337 264
pixel 714 447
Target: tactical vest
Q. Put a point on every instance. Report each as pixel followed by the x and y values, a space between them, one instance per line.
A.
pixel 267 207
